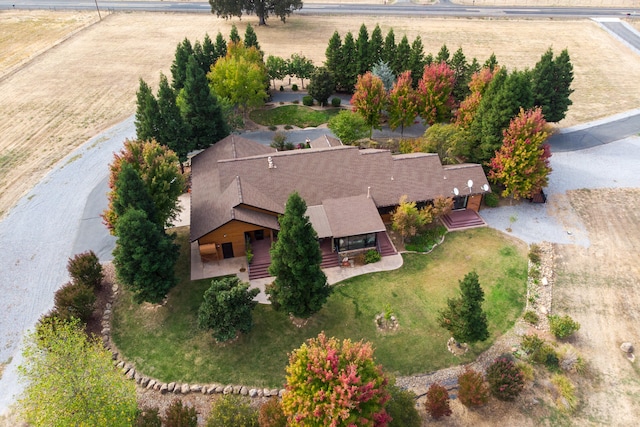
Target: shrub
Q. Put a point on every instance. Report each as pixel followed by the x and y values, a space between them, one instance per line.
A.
pixel 279 140
pixel 307 100
pixel 335 101
pixel 294 87
pixel 372 256
pixel 472 390
pixel 401 407
pixel 534 253
pixel 527 371
pixel 570 360
pixel 178 415
pixel 271 414
pixel 148 418
pixel 563 327
pixel 491 200
pixel 288 127
pixel 506 380
pixel 74 300
pixel 296 101
pixel 281 88
pixel 437 404
pixel 232 410
pixel 539 351
pixel 85 269
pixel 273 128
pixel 531 317
pixel 567 400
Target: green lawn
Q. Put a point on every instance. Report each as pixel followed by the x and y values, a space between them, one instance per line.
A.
pixel 165 343
pixel 294 115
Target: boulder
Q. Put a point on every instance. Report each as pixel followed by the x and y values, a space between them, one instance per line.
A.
pixel 627 347
pixel 220 389
pixel 253 393
pixel 244 391
pixel 185 389
pixel 236 389
pixel 163 388
pixel 196 388
pixel 144 382
pixel 150 384
pixel 228 390
pixel 171 386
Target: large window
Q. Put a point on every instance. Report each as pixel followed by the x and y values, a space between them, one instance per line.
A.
pixel 356 242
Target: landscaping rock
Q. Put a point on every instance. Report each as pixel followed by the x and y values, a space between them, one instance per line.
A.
pixel 171 387
pixel 228 390
pixel 204 389
pixel 150 384
pixel 253 392
pixel 195 388
pixel 220 389
pixel 131 374
pixel 627 347
pixel 236 389
pixel 274 392
pixel 185 389
pixel 144 382
pixel 163 389
pixel 244 391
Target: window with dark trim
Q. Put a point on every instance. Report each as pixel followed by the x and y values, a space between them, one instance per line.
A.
pixel 359 241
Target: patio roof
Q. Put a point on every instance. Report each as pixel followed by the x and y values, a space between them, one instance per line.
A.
pixel 351 216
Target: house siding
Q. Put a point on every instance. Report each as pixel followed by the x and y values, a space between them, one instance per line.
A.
pixel 232 232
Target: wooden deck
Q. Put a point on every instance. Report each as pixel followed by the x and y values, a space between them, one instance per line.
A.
pixel 462 220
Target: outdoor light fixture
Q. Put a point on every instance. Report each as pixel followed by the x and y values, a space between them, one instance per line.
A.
pixel 456 191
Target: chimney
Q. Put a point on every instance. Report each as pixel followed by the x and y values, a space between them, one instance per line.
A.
pixel 271 165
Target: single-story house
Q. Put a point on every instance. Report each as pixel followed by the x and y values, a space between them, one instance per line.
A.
pixel 239 187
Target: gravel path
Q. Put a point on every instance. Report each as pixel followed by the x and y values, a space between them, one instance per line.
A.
pixel 39 235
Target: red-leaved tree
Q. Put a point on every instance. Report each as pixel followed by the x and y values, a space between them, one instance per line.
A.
pixel 369 99
pixel 435 93
pixel 333 383
pixel 402 106
pixel 522 163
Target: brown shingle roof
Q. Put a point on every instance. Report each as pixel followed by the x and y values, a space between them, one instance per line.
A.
pixel 351 216
pixel 325 141
pixel 267 178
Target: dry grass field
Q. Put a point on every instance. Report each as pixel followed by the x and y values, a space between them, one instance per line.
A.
pixel 55 99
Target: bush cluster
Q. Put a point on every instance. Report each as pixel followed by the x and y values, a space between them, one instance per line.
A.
pixel 491 200
pixel 540 352
pixel 335 102
pixel 534 254
pixel 563 326
pixel 85 269
pixel 232 410
pixel 505 378
pixel 307 100
pixel 372 256
pixel 401 407
pixel 531 317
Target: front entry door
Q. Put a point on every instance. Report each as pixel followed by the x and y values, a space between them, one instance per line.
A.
pixel 227 250
pixel 459 202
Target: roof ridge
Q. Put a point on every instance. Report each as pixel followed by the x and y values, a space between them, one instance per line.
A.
pixel 239 189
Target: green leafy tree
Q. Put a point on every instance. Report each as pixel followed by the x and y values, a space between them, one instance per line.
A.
pixel 335 383
pixel 221 46
pixel 157 166
pixel 184 51
pixel 441 138
pixel 200 109
pixel 551 85
pixel 403 52
pixel 389 48
pixel 369 99
pixel 477 85
pixel 251 38
pixel 376 45
pixel 301 67
pixel 276 68
pixel 349 126
pixel 71 380
pixel 437 403
pixel 261 8
pixel 227 308
pixel 321 85
pixel 435 93
pixel 240 77
pixel 402 106
pixel 300 286
pixel 522 163
pixel 172 131
pixel 407 219
pixel 362 51
pixel 85 269
pixel 385 73
pixel 464 316
pixel 144 257
pixel 232 410
pixel 416 61
pixel 147 113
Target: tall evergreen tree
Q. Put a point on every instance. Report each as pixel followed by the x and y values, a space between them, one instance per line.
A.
pixel 221 46
pixel 464 316
pixel 349 70
pixel 376 45
pixel 491 63
pixel 201 111
pixel 551 85
pixel 462 75
pixel 389 48
pixel 300 287
pixel 443 55
pixel 416 61
pixel 251 38
pixel 131 193
pixel 402 54
pixel 147 114
pixel 172 130
pixel 144 257
pixel 184 51
pixel 332 54
pixel 362 50
pixel 385 73
pixel 234 35
pixel 198 54
pixel 208 52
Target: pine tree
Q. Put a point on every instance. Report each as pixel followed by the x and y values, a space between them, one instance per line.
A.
pixel 402 53
pixel 491 63
pixel 416 61
pixel 464 316
pixel 251 38
pixel 201 111
pixel 209 54
pixel 551 85
pixel 376 45
pixel 172 130
pixel 349 68
pixel 184 51
pixel 300 287
pixel 443 55
pixel 144 257
pixel 362 51
pixel 462 76
pixel 131 193
pixel 385 73
pixel 198 54
pixel 333 60
pixel 147 114
pixel 220 46
pixel 234 36
pixel 389 48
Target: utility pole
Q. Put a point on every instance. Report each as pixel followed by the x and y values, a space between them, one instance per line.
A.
pixel 98 9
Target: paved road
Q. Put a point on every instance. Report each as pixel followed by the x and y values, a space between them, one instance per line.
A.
pixel 400 8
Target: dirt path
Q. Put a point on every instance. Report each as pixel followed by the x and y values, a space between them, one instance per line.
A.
pixel 599 287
